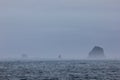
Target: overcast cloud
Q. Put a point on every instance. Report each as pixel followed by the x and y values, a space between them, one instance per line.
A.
pixel 47 28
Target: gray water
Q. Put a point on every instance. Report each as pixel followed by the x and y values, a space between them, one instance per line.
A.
pixel 60 70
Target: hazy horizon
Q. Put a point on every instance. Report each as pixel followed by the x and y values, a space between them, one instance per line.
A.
pixel 47 28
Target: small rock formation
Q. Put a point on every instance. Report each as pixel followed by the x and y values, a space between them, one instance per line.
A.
pixel 24 56
pixel 96 53
pixel 59 56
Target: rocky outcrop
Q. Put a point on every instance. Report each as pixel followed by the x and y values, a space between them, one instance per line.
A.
pixel 96 53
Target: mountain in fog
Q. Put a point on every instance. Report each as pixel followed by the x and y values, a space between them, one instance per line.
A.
pixel 96 53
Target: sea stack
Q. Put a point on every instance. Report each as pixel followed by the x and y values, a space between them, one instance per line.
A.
pixel 96 53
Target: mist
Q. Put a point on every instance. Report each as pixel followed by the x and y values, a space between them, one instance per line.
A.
pixel 47 28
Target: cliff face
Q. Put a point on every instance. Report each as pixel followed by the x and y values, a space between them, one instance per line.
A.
pixel 96 53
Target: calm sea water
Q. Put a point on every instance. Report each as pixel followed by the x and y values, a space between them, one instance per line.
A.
pixel 60 70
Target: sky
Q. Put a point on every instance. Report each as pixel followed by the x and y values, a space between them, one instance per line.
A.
pixel 47 28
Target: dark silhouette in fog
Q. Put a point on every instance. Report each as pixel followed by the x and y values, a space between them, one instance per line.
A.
pixel 96 53
pixel 59 56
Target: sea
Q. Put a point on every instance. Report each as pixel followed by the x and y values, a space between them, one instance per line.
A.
pixel 60 70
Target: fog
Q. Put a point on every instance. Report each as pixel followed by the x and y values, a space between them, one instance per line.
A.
pixel 47 28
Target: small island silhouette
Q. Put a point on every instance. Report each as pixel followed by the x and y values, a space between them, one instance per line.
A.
pixel 96 53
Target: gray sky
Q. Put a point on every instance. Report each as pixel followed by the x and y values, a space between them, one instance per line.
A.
pixel 47 28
